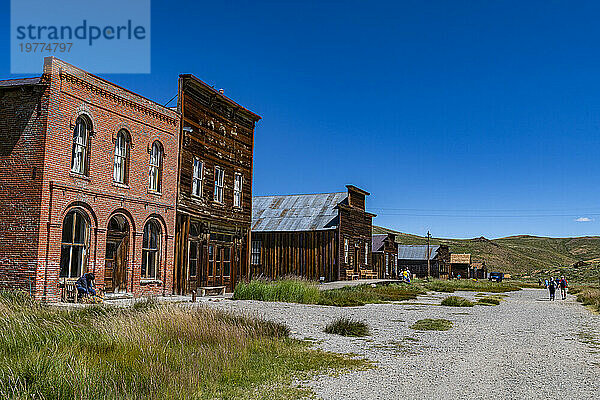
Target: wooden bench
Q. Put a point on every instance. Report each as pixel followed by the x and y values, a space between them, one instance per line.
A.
pixel 368 274
pixel 204 289
pixel 351 274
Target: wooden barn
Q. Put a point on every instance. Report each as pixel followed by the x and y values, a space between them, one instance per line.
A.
pixel 214 199
pixel 478 270
pixel 385 250
pixel 414 257
pixel 316 236
pixel 460 264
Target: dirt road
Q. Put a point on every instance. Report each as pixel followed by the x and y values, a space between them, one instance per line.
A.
pixel 525 348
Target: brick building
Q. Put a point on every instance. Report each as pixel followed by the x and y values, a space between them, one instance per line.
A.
pixel 88 178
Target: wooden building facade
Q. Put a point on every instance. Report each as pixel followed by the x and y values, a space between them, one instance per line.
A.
pixel 315 236
pixel 385 250
pixel 460 265
pixel 214 198
pixel 414 257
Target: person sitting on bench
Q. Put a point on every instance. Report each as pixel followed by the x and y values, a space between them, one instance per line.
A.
pixel 85 285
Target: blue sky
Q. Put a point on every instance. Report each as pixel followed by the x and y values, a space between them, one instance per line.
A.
pixel 463 118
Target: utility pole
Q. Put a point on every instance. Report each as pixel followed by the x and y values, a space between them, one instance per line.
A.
pixel 428 257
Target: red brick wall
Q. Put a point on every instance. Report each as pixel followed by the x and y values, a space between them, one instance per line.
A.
pixel 22 120
pixel 56 190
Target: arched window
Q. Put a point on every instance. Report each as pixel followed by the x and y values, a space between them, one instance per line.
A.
pixel 156 156
pixel 121 166
pixel 75 239
pixel 79 159
pixel 151 250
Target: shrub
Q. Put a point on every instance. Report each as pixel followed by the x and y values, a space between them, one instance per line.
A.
pixel 347 327
pixel 489 301
pixel 297 290
pixel 451 286
pixel 456 301
pixel 588 296
pixel 286 290
pixel 432 325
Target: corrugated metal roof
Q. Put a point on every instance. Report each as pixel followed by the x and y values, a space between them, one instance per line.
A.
pixel 416 252
pixel 298 212
pixel 20 82
pixel 377 242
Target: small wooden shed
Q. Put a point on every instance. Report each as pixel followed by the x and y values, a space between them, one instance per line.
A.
pixel 385 249
pixel 460 264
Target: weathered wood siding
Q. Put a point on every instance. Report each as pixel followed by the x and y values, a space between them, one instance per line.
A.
pixel 385 260
pixel 355 225
pixel 219 133
pixel 310 255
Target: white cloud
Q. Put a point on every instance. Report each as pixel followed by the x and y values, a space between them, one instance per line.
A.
pixel 584 219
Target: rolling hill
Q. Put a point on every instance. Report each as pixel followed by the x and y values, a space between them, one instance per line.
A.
pixel 523 255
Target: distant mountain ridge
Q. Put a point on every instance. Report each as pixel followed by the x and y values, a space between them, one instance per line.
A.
pixel 523 255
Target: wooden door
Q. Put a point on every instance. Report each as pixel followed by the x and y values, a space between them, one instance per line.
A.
pixel 115 265
pixel 120 268
pixel 109 264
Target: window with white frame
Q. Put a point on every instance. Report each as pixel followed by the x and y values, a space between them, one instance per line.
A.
pixel 151 250
pixel 155 173
pixel 121 165
pixel 255 252
pixel 346 251
pixel 80 146
pixel 74 245
pixel 237 190
pixel 219 184
pixel 366 253
pixel 198 174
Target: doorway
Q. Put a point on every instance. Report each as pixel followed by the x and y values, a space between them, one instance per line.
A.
pixel 115 263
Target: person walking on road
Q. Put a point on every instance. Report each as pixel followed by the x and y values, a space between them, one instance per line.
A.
pixel 563 287
pixel 552 288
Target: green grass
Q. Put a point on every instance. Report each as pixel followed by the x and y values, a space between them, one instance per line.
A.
pixel 432 325
pixel 489 300
pixel 150 351
pixel 366 294
pixel 306 292
pixel 292 290
pixel 450 286
pixel 456 301
pixel 347 327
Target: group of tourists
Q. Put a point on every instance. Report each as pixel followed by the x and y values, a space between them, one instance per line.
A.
pixel 406 276
pixel 554 284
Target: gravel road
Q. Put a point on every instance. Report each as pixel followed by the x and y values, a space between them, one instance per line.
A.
pixel 525 348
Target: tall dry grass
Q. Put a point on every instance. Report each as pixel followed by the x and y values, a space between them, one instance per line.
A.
pixel 153 352
pixel 589 296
